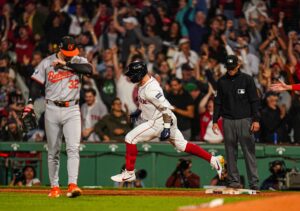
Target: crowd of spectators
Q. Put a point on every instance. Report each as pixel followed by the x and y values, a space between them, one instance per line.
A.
pixel 184 43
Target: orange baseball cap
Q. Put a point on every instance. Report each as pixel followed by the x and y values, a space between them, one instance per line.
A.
pixel 68 46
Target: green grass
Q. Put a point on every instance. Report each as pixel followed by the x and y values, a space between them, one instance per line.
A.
pixel 40 202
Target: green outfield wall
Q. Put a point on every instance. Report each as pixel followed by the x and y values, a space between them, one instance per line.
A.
pixel 100 161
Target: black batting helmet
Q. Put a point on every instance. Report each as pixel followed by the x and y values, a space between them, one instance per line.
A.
pixel 136 71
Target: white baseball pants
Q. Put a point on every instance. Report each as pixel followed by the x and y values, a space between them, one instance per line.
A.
pixel 151 129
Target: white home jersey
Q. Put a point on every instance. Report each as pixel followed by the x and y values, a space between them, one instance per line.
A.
pixel 152 100
pixel 60 84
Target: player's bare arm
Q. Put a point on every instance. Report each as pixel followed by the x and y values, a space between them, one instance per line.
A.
pixel 34 93
pixel 189 112
pixel 167 118
pixel 217 109
pixel 281 86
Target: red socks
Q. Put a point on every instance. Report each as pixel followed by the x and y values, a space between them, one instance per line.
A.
pixel 131 153
pixel 198 151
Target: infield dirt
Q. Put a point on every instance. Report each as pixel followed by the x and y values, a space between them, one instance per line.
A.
pixel 288 202
pixel 144 192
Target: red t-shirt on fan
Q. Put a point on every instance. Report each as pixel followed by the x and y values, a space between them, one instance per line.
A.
pixel 23 47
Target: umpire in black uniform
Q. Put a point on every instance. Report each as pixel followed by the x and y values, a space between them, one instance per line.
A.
pixel 238 103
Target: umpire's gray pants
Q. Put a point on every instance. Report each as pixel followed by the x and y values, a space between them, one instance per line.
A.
pixel 239 131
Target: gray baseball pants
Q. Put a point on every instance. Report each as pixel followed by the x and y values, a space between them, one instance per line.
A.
pixel 61 121
pixel 238 131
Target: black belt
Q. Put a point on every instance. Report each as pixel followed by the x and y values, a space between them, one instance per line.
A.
pixel 63 103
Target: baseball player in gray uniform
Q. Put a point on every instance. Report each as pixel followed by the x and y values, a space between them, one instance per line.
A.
pixel 60 74
pixel 158 121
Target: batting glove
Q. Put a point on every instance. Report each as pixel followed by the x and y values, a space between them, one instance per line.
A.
pixel 165 134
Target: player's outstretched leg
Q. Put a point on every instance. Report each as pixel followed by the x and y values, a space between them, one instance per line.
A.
pixel 128 175
pixel 217 162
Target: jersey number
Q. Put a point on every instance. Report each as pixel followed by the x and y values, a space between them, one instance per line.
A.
pixel 73 84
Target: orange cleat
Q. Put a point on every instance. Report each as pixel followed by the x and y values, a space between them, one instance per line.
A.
pixel 73 191
pixel 55 192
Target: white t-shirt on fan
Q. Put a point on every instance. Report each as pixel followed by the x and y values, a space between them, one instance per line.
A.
pixel 125 92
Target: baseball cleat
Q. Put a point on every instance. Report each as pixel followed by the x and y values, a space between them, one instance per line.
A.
pixel 55 192
pixel 217 162
pixel 73 191
pixel 125 176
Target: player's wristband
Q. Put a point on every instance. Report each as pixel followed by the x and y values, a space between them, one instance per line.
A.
pixel 167 125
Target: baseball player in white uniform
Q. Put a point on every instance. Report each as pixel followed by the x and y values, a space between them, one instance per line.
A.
pixel 60 74
pixel 158 121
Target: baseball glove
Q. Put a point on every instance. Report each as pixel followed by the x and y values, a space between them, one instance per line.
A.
pixel 29 120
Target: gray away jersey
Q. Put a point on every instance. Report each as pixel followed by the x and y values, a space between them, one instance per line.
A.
pixel 60 85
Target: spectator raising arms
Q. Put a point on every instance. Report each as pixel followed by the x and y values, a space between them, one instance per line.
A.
pixel 127 32
pixel 273 121
pixel 185 55
pixel 125 89
pixel 206 109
